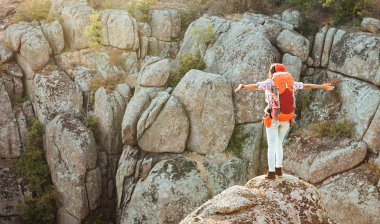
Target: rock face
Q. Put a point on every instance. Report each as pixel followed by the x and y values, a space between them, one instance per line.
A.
pixel 166 191
pixel 319 40
pixel 58 5
pixel 75 19
pixel 371 25
pixel 356 55
pixel 154 73
pixel 242 53
pixel 327 47
pixel 6 54
pixel 287 199
pixel 110 108
pixel 165 24
pixel 291 42
pixel 274 28
pixel 163 130
pixel 315 159
pixel 120 29
pixel 10 143
pixel 56 93
pixel 353 98
pixel 207 101
pixel 293 65
pixel 72 155
pixel 291 16
pixel 54 35
pixel 135 109
pixel 353 197
pixel 371 137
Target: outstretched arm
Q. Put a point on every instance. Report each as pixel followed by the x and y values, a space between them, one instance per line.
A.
pixel 251 86
pixel 326 86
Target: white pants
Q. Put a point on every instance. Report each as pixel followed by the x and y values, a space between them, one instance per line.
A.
pixel 275 135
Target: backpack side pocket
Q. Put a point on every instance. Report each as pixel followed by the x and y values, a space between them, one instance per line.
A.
pixel 267 120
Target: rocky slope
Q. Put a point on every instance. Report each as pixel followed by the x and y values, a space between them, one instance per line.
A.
pixel 158 154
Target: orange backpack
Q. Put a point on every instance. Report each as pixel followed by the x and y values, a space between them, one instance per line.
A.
pixel 285 101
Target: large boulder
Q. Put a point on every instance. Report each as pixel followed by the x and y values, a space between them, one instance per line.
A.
pixel 165 24
pixel 292 16
pixel 10 143
pixel 235 172
pixel 120 29
pixel 353 99
pixel 164 126
pixel 289 41
pixel 6 54
pixel 109 108
pixel 327 47
pixel 274 27
pixel 371 25
pixel 135 108
pixel 54 35
pixel 28 75
pixel 293 65
pixel 371 137
pixel 56 93
pixel 72 155
pixel 242 53
pixel 353 197
pixel 173 189
pixel 208 103
pixel 286 200
pixel 76 17
pixel 154 73
pixel 315 159
pixel 14 33
pixel 319 40
pixel 58 5
pixel 356 55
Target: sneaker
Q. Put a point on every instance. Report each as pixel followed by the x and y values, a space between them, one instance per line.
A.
pixel 270 176
pixel 278 171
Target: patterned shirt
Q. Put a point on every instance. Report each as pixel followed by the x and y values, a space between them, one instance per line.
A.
pixel 269 98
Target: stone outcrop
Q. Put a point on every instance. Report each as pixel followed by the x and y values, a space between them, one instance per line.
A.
pixel 274 28
pixel 207 101
pixel 110 108
pixel 164 126
pixel 6 54
pixel 353 197
pixel 318 47
pixel 75 19
pixel 28 75
pixel 327 47
pixel 121 29
pixel 315 159
pixel 293 65
pixel 292 16
pixel 58 5
pixel 56 93
pixel 371 137
pixel 242 53
pixel 371 25
pixel 72 156
pixel 291 42
pixel 287 199
pixel 356 55
pixel 54 35
pixel 165 24
pixel 154 73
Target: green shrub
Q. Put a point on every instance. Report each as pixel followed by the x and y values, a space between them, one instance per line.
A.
pixel 101 220
pixel 111 4
pixel 92 124
pixel 345 10
pixel 35 10
pixel 39 207
pixel 142 5
pixel 3 69
pixel 109 82
pixel 235 144
pixel 204 37
pixel 93 31
pixel 334 129
pixel 20 101
pixel 186 62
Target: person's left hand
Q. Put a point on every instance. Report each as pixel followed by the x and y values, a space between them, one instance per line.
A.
pixel 239 88
pixel 328 86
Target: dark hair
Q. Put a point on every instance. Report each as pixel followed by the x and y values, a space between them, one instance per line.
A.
pixel 272 70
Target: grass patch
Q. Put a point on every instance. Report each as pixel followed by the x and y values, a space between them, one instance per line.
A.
pixel 334 129
pixel 141 6
pixel 39 207
pixel 21 100
pixel 92 124
pixel 235 144
pixel 186 61
pixel 109 82
pixel 374 168
pixel 35 10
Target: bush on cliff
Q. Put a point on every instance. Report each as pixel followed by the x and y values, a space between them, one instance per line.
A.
pixel 141 5
pixel 109 82
pixel 342 128
pixel 93 31
pixel 39 207
pixel 35 10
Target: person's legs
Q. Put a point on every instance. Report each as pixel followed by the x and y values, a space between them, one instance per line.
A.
pixel 282 129
pixel 272 133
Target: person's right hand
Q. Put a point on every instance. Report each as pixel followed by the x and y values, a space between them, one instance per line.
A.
pixel 328 86
pixel 239 88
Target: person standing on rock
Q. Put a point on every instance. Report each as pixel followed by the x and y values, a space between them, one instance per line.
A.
pixel 279 113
